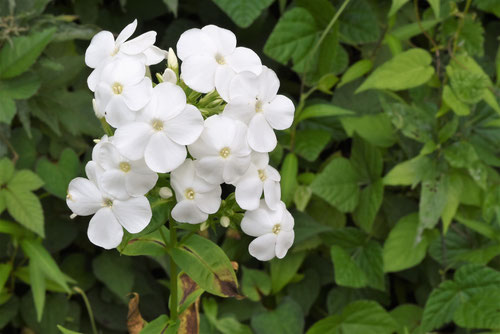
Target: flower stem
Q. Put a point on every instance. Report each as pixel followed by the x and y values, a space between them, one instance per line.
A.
pixel 89 308
pixel 173 273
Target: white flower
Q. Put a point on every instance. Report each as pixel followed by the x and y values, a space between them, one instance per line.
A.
pixel 122 177
pixel 86 197
pixel 254 101
pixel 122 91
pixel 273 229
pixel 169 76
pixel 222 151
pixel 161 130
pixel 104 48
pixel 260 177
pixel 196 198
pixel 210 59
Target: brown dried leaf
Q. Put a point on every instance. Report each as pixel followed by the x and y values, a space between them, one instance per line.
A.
pixel 190 319
pixel 135 322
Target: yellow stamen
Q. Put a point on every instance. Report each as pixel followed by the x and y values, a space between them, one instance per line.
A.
pixel 262 175
pixel 189 193
pixel 258 106
pixel 276 228
pixel 225 152
pixel 107 202
pixel 220 59
pixel 125 166
pixel 157 125
pixel 117 88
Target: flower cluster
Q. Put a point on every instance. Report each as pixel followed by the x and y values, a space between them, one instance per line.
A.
pixel 223 135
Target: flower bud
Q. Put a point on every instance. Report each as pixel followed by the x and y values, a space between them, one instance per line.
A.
pixel 224 221
pixel 172 61
pixel 204 226
pixel 99 114
pixel 169 76
pixel 165 192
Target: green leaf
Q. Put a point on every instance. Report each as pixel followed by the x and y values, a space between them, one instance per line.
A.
pixel 25 208
pixel 5 269
pixel 458 107
pixel 409 31
pixel 151 244
pixel 461 154
pixel 25 180
pixel 21 87
pixel 358 24
pixel 254 283
pixel 322 110
pixel 293 37
pixel 370 200
pixel 444 301
pixel 288 172
pixel 37 282
pixel 309 143
pixel 377 129
pixel 6 170
pixel 436 7
pixel 338 185
pixel 409 69
pixel 356 70
pixel 243 12
pixel 359 317
pixel 408 173
pixel 18 56
pixel 156 326
pixel 37 253
pixel 455 186
pixel 408 317
pixel 366 160
pixel 7 109
pixel 57 176
pixel 347 272
pixel 433 197
pixel 172 5
pixel 68 331
pixel 396 5
pixel 403 247
pixel 283 270
pixel 480 311
pixel 208 265
pixel 469 87
pixel 286 318
pixel 116 272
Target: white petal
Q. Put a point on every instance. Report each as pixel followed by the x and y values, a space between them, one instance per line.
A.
pixel 260 160
pixel 131 139
pixel 186 211
pixel 103 94
pixel 106 155
pixel 126 32
pixel 240 108
pixel 268 84
pixel 263 248
pixel 198 72
pixel 138 95
pixel 272 194
pixel 279 112
pixel 249 190
pixel 154 55
pixel 104 229
pixel 139 44
pixel 182 177
pixel 186 127
pixel 272 173
pixel 224 40
pixel 113 183
pixel 209 202
pixel 223 76
pixel 210 169
pixel 219 131
pixel 200 149
pixel 194 42
pixel 133 214
pixel 94 78
pixel 117 112
pixel 163 155
pixel 239 145
pixel 169 76
pixel 101 46
pixel 139 184
pixel 244 59
pixel 287 221
pixel 125 71
pixel 170 101
pixel 84 198
pixel 261 136
pixel 283 242
pixel 257 222
pixel 234 168
pixel 244 85
pixel 93 171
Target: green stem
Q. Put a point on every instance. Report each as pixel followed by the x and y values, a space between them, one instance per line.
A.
pixel 89 308
pixel 173 273
pixel 106 127
pixel 461 25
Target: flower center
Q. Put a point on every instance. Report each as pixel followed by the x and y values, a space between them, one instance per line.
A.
pixel 115 51
pixel 220 59
pixel 262 175
pixel 225 152
pixel 125 166
pixel 189 194
pixel 107 202
pixel 117 88
pixel 276 228
pixel 157 125
pixel 258 106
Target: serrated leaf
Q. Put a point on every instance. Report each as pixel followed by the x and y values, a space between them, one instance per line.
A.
pixel 406 70
pixel 25 180
pixel 480 311
pixel 57 176
pixel 243 12
pixel 254 283
pixel 433 197
pixel 370 200
pixel 347 272
pixel 21 87
pixel 25 208
pixel 377 129
pixel 358 24
pixel 18 56
pixel 286 318
pixel 6 170
pixel 458 107
pixel 309 143
pixel 408 173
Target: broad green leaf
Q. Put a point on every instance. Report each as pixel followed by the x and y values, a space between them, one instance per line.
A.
pixel 37 253
pixel 151 244
pixel 25 208
pixel 6 170
pixel 472 37
pixel 460 154
pixel 288 172
pixel 377 129
pixel 255 282
pixel 10 228
pixel 321 10
pixel 358 24
pixel 370 200
pixel 8 311
pixel 57 176
pixel 283 270
pixel 309 143
pixel 286 318
pixel 453 192
pixel 460 108
pixel 338 185
pixel 347 272
pixel 7 109
pixel 243 12
pixel 403 247
pixel 18 56
pixel 480 311
pixel 116 272
pixel 469 87
pixel 307 291
pixel 408 173
pixel 25 180
pixel 409 31
pixel 322 110
pixel 396 5
pixel 409 69
pixel 408 317
pixel 5 269
pixel 356 71
pixel 366 160
pixel 433 197
pixel 37 283
pixel 21 87
pixel 68 331
pixel 443 302
pixel 156 326
pixel 436 7
pixel 301 197
pixel 208 265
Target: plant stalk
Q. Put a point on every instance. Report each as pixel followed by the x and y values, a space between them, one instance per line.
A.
pixel 89 308
pixel 173 273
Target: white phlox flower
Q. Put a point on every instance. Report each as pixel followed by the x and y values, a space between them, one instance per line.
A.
pixel 196 198
pixel 87 197
pixel 122 91
pixel 161 130
pixel 122 177
pixel 259 178
pixel 210 59
pixel 104 48
pixel 273 229
pixel 169 76
pixel 222 153
pixel 254 101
